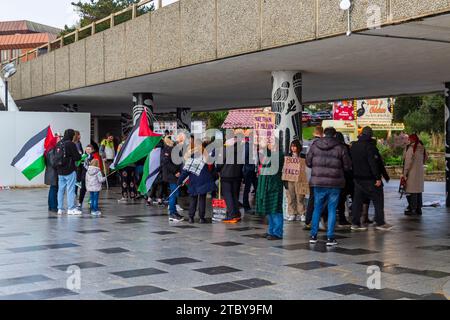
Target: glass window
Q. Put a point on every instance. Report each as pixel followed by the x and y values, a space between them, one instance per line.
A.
pixel 15 53
pixel 4 55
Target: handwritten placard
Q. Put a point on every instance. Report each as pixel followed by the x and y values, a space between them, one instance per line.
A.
pixel 264 129
pixel 294 169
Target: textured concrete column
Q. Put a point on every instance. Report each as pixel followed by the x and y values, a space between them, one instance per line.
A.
pixel 447 143
pixel 287 104
pixel 142 101
pixel 184 119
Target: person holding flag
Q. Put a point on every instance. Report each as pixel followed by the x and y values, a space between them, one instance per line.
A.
pixel 137 146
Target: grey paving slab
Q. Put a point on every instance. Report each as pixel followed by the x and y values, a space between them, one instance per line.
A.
pixel 133 248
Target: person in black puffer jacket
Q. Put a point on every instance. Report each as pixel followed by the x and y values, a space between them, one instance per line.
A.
pixel 368 169
pixel 328 159
pixel 231 176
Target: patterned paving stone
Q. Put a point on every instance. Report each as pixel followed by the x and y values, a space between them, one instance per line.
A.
pixel 132 291
pixel 175 261
pixel 81 265
pixel 217 270
pixel 23 280
pixel 138 273
pixel 311 265
pixel 113 250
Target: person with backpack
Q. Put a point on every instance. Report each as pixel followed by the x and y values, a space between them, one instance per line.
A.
pixel 66 156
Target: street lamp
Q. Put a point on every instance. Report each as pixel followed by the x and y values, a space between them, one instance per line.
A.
pixel 8 71
pixel 346 5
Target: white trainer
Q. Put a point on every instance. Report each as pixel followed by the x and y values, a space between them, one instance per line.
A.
pixel 60 212
pixel 179 208
pixel 74 212
pixel 96 213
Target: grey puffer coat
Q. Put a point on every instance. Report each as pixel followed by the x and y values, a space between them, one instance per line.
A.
pixel 328 159
pixel 94 179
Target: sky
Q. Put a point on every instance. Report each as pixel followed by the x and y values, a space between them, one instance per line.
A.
pixel 55 13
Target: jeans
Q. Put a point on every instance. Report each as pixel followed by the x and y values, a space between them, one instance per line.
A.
pixel 275 225
pixel 366 189
pixel 201 199
pixel 249 180
pixel 322 195
pixel 230 190
pixel 173 198
pixel 310 208
pixel 94 201
pixel 67 182
pixel 53 198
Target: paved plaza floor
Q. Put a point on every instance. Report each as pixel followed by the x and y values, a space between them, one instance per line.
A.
pixel 133 252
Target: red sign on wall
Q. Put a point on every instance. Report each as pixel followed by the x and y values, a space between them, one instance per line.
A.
pixel 344 110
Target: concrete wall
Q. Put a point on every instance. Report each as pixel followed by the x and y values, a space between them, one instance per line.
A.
pixel 16 128
pixel 191 31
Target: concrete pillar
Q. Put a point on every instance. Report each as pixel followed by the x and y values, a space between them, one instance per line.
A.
pixel 287 105
pixel 447 143
pixel 184 119
pixel 141 101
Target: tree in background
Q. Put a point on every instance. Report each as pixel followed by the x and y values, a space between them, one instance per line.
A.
pixel 423 115
pixel 95 10
pixel 214 120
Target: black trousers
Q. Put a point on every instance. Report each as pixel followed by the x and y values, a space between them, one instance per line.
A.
pixel 201 200
pixel 230 191
pixel 250 180
pixel 415 202
pixel 310 208
pixel 159 190
pixel 366 189
pixel 82 191
pixel 341 206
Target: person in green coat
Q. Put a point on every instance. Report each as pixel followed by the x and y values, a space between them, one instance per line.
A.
pixel 269 195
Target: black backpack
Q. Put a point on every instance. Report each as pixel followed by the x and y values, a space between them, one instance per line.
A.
pixel 59 159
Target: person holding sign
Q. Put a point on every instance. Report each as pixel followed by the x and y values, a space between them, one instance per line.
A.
pixel 269 195
pixel 295 182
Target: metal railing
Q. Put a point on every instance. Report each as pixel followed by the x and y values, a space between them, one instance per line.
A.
pixel 60 42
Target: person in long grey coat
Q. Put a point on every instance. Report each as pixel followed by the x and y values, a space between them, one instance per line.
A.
pixel 414 158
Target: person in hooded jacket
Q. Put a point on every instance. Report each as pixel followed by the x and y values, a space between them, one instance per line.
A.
pixel 67 176
pixel 347 190
pixel 94 179
pixel 367 174
pixel 328 159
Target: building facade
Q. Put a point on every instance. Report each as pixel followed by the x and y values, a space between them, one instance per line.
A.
pixel 18 37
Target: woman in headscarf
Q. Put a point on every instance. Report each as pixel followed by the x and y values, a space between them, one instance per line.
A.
pixel 414 158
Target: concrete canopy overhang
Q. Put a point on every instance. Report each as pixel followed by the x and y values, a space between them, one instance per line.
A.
pixel 367 64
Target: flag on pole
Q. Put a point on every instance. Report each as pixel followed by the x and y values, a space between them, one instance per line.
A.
pixel 31 158
pixel 138 145
pixel 152 168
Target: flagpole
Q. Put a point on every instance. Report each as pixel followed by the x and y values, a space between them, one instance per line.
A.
pixel 184 182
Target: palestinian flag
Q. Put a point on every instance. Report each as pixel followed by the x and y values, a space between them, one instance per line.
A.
pixel 138 145
pixel 151 170
pixel 30 160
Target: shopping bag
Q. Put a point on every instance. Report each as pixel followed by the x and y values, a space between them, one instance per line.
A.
pixel 219 207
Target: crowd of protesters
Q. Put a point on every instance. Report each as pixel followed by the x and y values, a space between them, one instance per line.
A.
pixel 342 180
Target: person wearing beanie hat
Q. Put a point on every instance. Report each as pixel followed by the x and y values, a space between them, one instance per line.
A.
pixel 368 172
